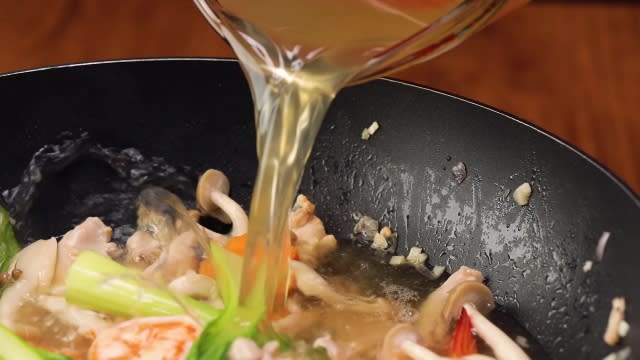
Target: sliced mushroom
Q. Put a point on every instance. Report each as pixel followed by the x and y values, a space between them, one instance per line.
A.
pixel 159 214
pixel 212 195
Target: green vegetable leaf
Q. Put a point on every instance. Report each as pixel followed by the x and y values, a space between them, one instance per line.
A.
pixel 13 347
pixel 9 247
pixel 236 321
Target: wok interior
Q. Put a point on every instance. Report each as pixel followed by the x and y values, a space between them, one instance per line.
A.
pixel 198 114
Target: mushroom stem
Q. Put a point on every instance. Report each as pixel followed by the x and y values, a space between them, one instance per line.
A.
pixel 234 211
pixel 218 238
pixel 212 196
pixel 418 352
pixel 503 347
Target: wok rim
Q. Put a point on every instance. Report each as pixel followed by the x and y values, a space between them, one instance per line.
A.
pixel 621 184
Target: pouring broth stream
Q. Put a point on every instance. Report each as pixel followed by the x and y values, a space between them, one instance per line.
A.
pixel 296 56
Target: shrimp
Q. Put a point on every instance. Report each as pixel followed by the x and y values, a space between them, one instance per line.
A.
pixel 157 338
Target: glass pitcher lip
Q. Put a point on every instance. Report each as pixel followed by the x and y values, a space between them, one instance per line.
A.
pixel 445 28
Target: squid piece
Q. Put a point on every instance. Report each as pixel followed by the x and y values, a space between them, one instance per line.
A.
pixel 195 285
pixel 312 243
pixel 142 250
pixel 164 218
pixel 179 257
pixel 36 277
pixel 244 349
pixel 310 283
pixel 91 234
pixel 88 323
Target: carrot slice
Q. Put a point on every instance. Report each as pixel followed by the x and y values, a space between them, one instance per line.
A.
pixel 206 268
pixel 463 342
pixel 238 244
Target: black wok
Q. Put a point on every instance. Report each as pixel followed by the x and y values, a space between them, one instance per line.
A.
pixel 198 113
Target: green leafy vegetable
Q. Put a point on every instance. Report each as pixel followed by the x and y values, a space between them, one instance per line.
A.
pixel 97 283
pixel 13 347
pixel 9 247
pixel 236 320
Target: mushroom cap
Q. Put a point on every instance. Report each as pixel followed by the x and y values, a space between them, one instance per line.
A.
pixel 212 181
pixel 468 292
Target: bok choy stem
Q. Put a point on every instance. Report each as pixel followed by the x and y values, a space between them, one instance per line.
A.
pixel 98 283
pixel 236 320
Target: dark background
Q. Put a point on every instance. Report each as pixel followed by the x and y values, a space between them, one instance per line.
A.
pixel 570 67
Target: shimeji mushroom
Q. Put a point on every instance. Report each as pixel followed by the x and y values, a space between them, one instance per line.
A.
pixel 393 340
pixel 212 196
pixel 442 308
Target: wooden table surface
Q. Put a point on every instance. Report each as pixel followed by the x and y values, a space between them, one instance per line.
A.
pixel 570 68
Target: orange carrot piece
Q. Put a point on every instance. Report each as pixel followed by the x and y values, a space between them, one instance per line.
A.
pixel 463 342
pixel 238 244
pixel 293 253
pixel 206 268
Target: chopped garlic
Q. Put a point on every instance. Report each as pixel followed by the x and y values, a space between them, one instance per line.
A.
pixel 368 132
pixel 587 266
pixel 522 341
pixel 373 127
pixel 414 251
pixel 623 328
pixel 437 271
pixel 622 354
pixel 386 232
pixel 379 242
pixel 522 194
pixel 611 335
pixel 612 356
pixel 416 256
pixel 397 260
